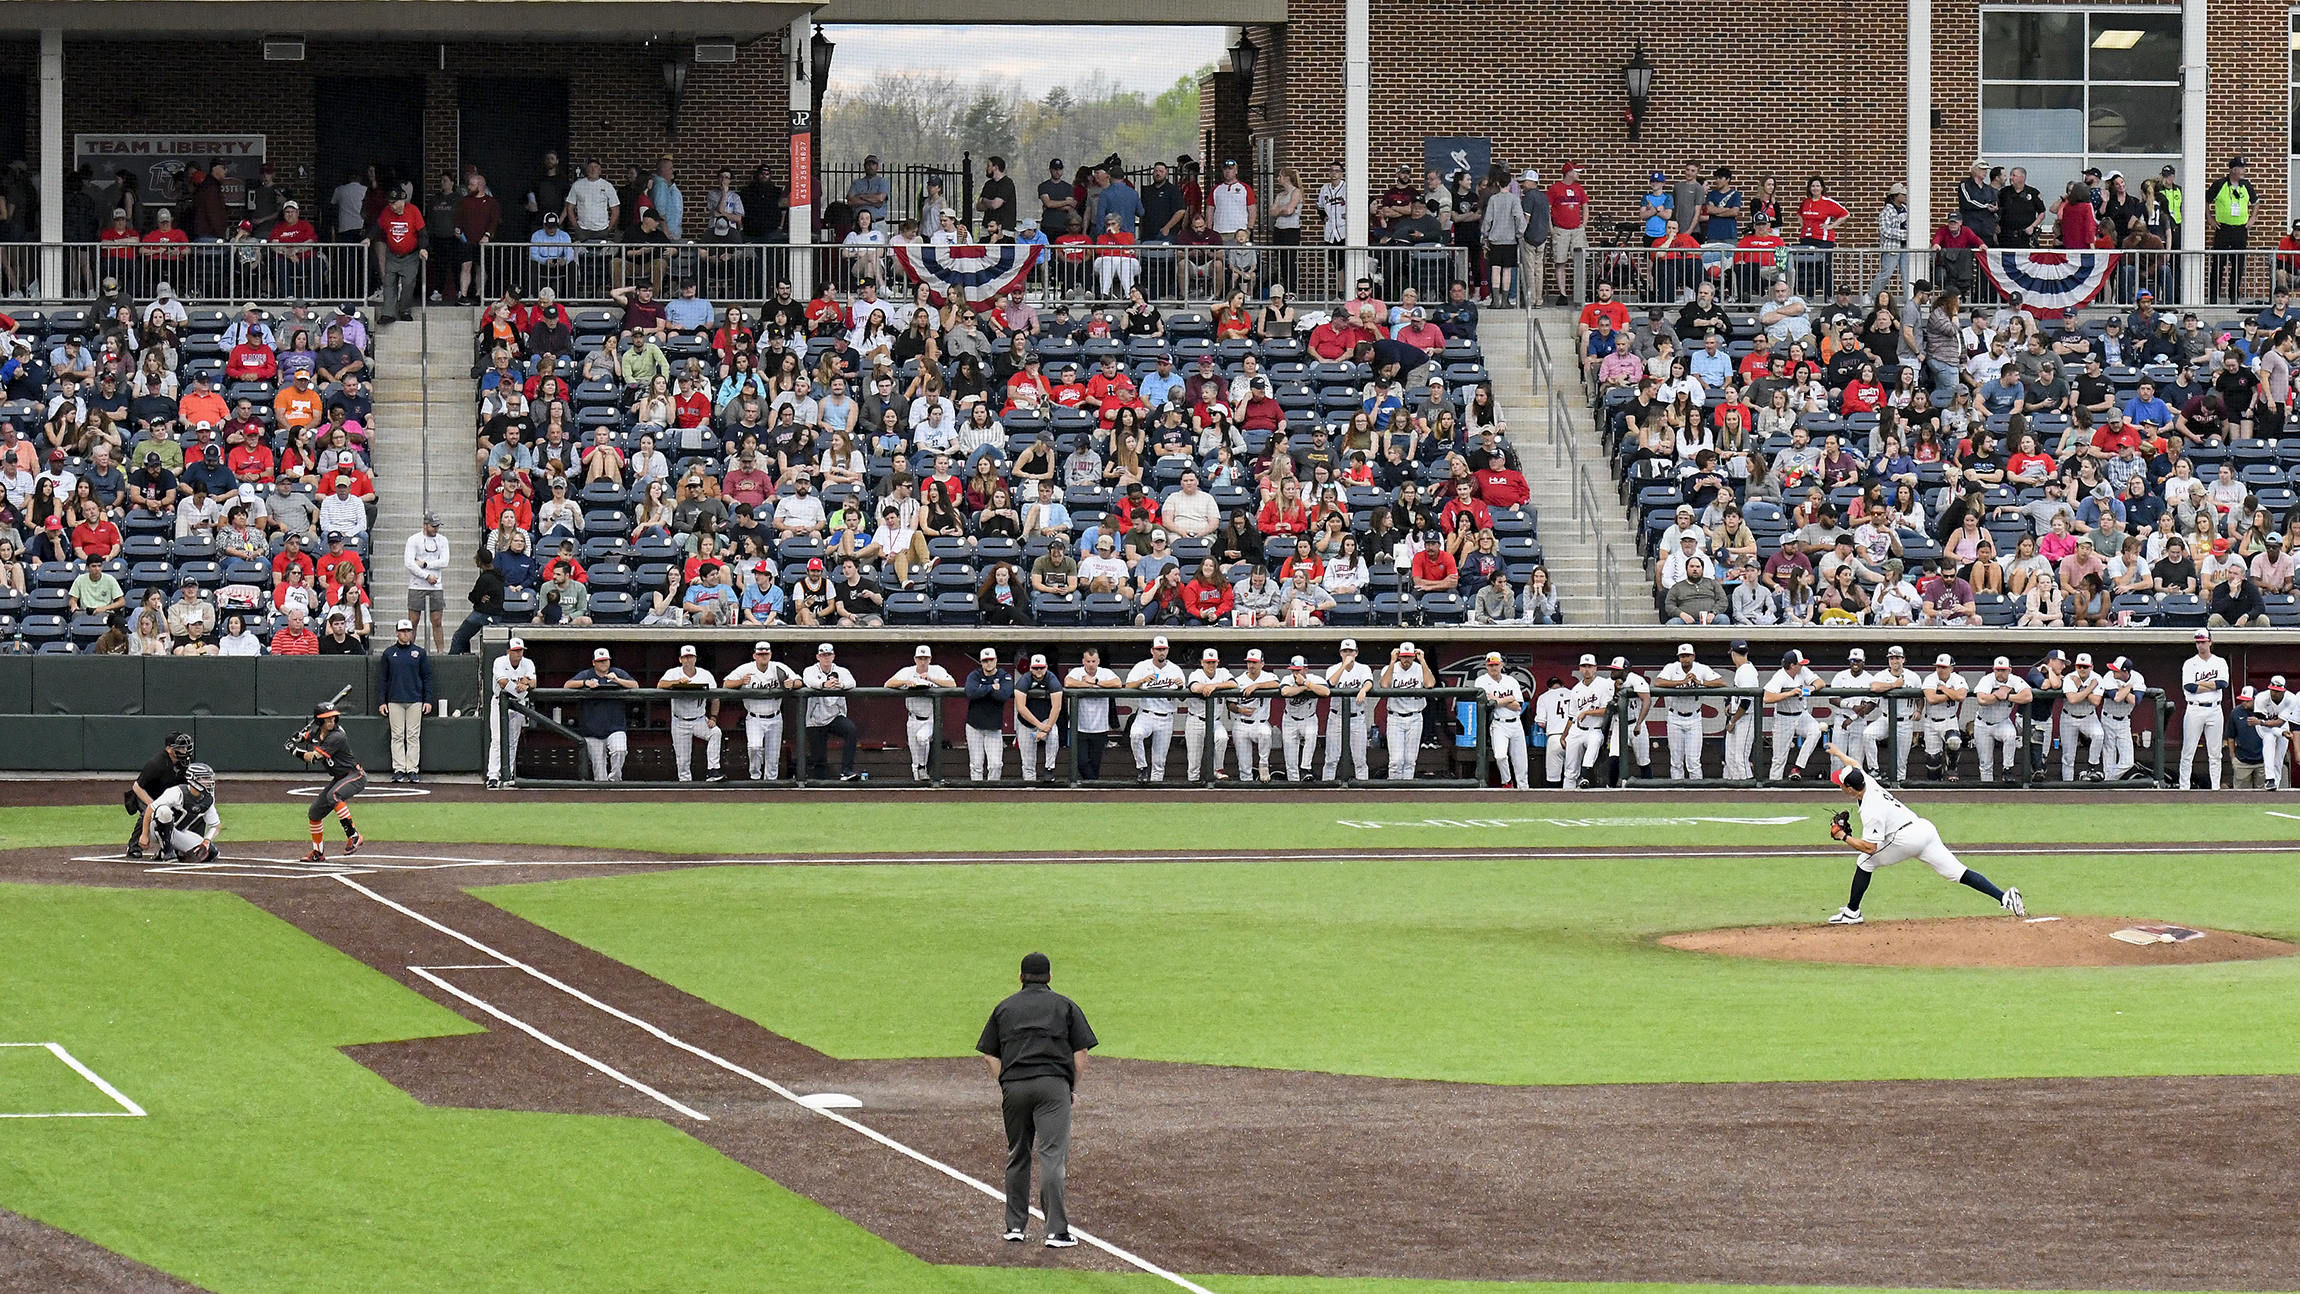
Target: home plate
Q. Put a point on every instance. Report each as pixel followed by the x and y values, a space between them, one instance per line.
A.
pixel 830 1101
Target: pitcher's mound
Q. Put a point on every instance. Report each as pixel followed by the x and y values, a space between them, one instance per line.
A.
pixel 1984 941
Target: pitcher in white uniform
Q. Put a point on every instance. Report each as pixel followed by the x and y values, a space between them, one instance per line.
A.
pixel 1850 715
pixel 1302 688
pixel 1152 732
pixel 1506 725
pixel 1891 832
pixel 1741 716
pixel 692 716
pixel 2080 698
pixel 1790 693
pixel 1403 731
pixel 763 719
pixel 1250 718
pixel 2126 691
pixel 918 721
pixel 513 677
pixel 2203 678
pixel 1587 708
pixel 1684 710
pixel 1996 722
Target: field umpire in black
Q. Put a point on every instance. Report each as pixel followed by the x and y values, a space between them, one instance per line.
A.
pixel 1037 1041
pixel 345 779
pixel 164 770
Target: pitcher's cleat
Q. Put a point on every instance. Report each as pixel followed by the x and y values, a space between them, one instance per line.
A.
pixel 1846 917
pixel 2013 904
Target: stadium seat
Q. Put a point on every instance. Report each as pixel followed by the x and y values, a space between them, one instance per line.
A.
pixel 956 610
pixel 611 607
pixel 909 608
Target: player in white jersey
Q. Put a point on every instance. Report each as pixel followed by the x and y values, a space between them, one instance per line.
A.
pixel 1550 718
pixel 1684 709
pixel 1741 716
pixel 1637 700
pixel 184 819
pixel 2275 713
pixel 2203 678
pixel 1351 679
pixel 1089 713
pixel 1204 682
pixel 2080 697
pixel 1790 693
pixel 692 716
pixel 1302 688
pixel 1850 715
pixel 1153 729
pixel 1507 722
pixel 763 719
pixel 1902 719
pixel 1891 832
pixel 1586 708
pixel 2124 693
pixel 1403 731
pixel 512 677
pixel 1250 718
pixel 1996 723
pixel 918 722
pixel 1945 693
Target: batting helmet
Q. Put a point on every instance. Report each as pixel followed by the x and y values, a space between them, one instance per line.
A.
pixel 325 711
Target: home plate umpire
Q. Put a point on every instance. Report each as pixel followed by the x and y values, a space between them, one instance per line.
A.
pixel 1036 1042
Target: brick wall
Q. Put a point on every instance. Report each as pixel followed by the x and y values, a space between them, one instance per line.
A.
pixel 733 115
pixel 1784 89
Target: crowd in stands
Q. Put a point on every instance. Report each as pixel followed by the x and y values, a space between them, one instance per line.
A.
pixel 855 460
pixel 1920 461
pixel 185 481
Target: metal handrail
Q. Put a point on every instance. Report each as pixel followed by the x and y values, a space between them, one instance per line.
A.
pixel 423 331
pixel 199 273
pixel 1651 277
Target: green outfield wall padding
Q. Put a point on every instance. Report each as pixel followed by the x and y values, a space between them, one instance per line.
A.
pixel 121 743
pixel 292 685
pixel 16 684
pixel 200 684
pixel 45 742
pixel 87 685
pixel 245 744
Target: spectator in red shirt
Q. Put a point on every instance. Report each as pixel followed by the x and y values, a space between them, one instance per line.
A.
pixel 251 461
pixel 1817 219
pixel 1334 339
pixel 1465 500
pixel 1568 227
pixel 1434 570
pixel 164 233
pixel 748 482
pixel 405 248
pixel 1757 254
pixel 362 484
pixel 1135 507
pixel 95 536
pixel 292 556
pixel 477 217
pixel 693 405
pixel 1207 598
pixel 299 234
pixel 1261 411
pixel 1499 486
pixel 295 638
pixel 251 361
pixel 1285 513
pixel 1603 309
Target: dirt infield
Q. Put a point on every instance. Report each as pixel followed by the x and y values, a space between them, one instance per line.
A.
pixel 1210 1170
pixel 37 1257
pixel 1979 941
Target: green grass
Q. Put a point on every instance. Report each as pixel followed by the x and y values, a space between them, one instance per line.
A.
pixel 33 1080
pixel 1501 971
pixel 749 825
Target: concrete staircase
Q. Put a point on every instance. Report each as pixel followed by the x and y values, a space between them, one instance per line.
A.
pixel 404 422
pixel 1572 551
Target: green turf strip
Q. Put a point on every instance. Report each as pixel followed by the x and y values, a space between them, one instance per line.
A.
pixel 1503 971
pixel 751 824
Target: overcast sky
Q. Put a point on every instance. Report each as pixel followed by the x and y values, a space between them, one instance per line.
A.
pixel 1148 59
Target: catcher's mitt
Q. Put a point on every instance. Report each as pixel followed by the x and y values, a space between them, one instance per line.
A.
pixel 1841 826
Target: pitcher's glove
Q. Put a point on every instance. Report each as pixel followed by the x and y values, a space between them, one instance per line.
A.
pixel 1841 826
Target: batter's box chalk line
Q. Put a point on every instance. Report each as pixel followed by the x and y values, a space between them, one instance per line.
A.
pixel 128 1109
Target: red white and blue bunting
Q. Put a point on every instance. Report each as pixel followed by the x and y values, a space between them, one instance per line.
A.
pixel 977 276
pixel 2050 280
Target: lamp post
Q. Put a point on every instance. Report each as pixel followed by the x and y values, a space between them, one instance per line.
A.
pixel 675 68
pixel 1637 79
pixel 1244 57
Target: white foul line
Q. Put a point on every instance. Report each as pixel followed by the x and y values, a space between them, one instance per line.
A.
pixel 553 1043
pixel 760 1079
pixel 128 1109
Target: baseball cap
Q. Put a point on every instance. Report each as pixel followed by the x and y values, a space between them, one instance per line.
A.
pixel 1792 658
pixel 2276 683
pixel 2121 662
pixel 1531 176
pixel 520 644
pixel 600 654
pixel 2220 547
pixel 1619 662
pixel 2056 654
pixel 1491 658
pixel 1944 659
pixel 1855 654
pixel 1895 650
pixel 686 649
pixel 1209 654
pixel 1349 644
pixel 1740 645
pixel 2244 695
pixel 1299 663
pixel 987 653
pixel 1586 659
pixel 404 624
pixel 2001 662
pixel 431 518
pixel 921 650
pixel 1253 654
pixel 814 563
pixel 823 649
pixel 1406 648
pixel 1160 641
pixel 2204 635
pixel 2084 658
pixel 1659 177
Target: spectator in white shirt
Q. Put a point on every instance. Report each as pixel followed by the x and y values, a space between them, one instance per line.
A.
pixel 342 512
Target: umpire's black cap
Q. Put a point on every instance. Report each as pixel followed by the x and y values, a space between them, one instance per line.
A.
pixel 1036 969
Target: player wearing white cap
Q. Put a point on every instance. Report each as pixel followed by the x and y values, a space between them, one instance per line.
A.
pixel 1850 715
pixel 1996 729
pixel 1037 718
pixel 1741 715
pixel 605 724
pixel 2080 697
pixel 1089 712
pixel 692 716
pixel 2203 679
pixel 511 678
pixel 1353 678
pixel 918 722
pixel 2274 713
pixel 1549 715
pixel 1586 708
pixel 1945 693
pixel 763 719
pixel 1895 677
pixel 1684 722
pixel 1507 725
pixel 1403 731
pixel 1790 693
pixel 1250 718
pixel 1204 682
pixel 1637 700
pixel 989 688
pixel 826 716
pixel 1891 832
pixel 2123 692
pixel 1302 687
pixel 1153 729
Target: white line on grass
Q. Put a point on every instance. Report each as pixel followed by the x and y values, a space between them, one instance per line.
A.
pixel 553 1043
pixel 128 1109
pixel 778 1089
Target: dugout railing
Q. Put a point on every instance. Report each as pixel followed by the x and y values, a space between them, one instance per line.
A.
pixel 1902 710
pixel 1460 734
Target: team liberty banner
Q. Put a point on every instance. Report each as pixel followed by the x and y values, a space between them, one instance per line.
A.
pixel 2050 280
pixel 977 276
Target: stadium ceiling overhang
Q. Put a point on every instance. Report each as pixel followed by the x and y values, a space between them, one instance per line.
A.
pixel 431 20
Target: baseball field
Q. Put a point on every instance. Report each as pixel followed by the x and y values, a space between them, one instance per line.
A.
pixel 720 1042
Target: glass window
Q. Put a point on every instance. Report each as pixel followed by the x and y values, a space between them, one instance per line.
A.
pixel 2135 47
pixel 2133 119
pixel 2032 119
pixel 2032 46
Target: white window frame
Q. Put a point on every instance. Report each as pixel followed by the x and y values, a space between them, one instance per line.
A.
pixel 2086 157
